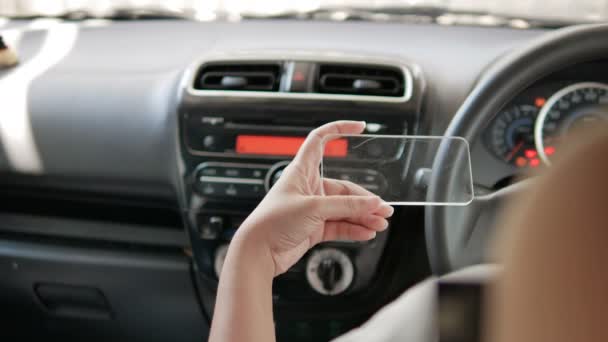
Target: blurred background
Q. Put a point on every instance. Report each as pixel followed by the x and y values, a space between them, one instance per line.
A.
pixel 206 10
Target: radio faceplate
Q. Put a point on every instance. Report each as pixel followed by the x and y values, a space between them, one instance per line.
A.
pixel 216 136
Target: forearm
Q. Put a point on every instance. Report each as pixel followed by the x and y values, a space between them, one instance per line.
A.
pixel 243 308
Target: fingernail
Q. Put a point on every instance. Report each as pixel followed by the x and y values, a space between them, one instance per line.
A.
pixel 375 201
pixel 391 210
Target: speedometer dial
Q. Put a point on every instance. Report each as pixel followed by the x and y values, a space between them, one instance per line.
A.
pixel 575 106
pixel 512 135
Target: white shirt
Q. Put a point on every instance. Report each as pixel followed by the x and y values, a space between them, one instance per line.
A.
pixel 412 316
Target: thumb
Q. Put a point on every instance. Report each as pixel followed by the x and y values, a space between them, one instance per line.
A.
pixel 347 207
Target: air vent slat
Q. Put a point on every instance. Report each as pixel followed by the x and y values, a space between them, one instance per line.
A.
pixel 244 77
pixel 360 80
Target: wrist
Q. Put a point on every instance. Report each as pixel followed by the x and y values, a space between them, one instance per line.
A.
pixel 249 252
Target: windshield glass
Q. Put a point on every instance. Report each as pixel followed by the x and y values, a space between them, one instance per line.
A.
pixel 519 13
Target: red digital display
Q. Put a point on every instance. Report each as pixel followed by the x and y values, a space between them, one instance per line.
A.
pixel 284 146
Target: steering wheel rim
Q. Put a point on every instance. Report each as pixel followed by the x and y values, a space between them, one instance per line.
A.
pixel 446 229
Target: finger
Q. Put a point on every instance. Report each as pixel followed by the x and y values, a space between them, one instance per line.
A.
pixel 385 210
pixel 311 151
pixel 346 207
pixel 340 187
pixel 334 187
pixel 373 222
pixel 341 230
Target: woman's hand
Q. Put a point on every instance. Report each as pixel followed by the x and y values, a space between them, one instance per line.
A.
pixel 298 212
pixel 301 210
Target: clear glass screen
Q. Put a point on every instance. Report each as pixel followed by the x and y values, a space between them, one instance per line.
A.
pixel 399 168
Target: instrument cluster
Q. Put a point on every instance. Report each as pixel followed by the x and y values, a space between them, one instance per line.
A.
pixel 528 132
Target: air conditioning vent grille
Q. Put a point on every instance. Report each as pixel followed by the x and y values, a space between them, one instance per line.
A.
pixel 243 77
pixel 360 80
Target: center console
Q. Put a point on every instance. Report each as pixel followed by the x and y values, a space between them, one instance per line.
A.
pixel 242 117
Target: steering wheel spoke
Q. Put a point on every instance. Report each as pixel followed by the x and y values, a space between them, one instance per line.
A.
pixel 475 222
pixel 485 208
pixel 503 193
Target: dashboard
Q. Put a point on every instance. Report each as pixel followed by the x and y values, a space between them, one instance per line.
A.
pixel 135 149
pixel 526 133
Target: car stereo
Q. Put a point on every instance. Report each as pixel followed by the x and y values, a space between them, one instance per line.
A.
pixel 230 137
pixel 240 144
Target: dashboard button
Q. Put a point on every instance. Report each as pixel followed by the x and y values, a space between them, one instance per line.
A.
pixel 232 172
pixel 346 177
pixel 211 227
pixel 209 142
pixel 209 189
pixel 251 190
pixel 216 223
pixel 256 173
pixel 231 190
pixel 209 171
pixel 257 190
pixel 216 189
pixel 370 178
pixel 301 77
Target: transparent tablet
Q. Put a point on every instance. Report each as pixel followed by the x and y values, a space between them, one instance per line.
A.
pixel 398 168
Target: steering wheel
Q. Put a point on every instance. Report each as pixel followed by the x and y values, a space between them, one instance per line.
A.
pixel 456 236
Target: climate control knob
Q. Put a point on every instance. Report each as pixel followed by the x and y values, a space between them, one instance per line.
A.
pixel 273 175
pixel 329 271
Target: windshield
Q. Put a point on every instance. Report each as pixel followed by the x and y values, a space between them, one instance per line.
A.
pixel 518 13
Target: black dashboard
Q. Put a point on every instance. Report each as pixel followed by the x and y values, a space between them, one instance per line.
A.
pixel 124 167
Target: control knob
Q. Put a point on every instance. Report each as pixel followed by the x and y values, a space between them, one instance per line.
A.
pixel 274 174
pixel 329 271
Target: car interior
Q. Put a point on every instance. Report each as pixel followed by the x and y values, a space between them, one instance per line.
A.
pixel 136 136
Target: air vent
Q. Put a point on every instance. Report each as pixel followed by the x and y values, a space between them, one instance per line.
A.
pixel 238 76
pixel 360 80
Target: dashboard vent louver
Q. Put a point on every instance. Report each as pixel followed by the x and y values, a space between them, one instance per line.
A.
pixel 360 80
pixel 238 76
